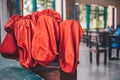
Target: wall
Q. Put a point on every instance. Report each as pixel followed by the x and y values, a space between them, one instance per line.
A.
pixel 3 18
pixel 58 6
pixel 118 13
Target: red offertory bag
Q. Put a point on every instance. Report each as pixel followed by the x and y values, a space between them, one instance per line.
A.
pixel 70 37
pixel 8 48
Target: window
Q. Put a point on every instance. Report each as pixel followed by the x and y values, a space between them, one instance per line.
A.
pixel 27 7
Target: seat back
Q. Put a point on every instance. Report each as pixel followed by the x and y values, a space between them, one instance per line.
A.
pixel 98 40
pixel 102 39
pixel 92 39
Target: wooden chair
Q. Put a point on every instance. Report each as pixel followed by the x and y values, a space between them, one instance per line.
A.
pixel 98 44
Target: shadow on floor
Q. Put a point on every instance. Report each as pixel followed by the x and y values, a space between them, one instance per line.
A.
pixel 17 73
pixel 11 70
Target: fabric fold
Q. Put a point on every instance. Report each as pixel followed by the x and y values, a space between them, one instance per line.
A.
pixel 23 34
pixel 39 37
pixel 70 37
pixel 46 34
pixel 44 40
pixel 8 48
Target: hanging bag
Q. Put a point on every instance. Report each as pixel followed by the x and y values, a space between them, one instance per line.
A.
pixel 8 48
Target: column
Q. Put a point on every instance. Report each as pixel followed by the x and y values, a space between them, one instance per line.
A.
pixel 105 17
pixel 88 17
pixel 34 5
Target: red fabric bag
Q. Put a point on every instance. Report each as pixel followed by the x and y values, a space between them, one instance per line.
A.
pixel 9 26
pixel 44 47
pixel 46 34
pixel 23 34
pixel 70 36
pixel 8 48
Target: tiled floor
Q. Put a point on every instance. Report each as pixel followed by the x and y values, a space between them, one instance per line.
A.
pixel 11 70
pixel 87 71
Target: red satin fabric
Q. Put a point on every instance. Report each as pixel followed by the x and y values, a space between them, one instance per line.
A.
pixel 9 26
pixel 44 40
pixel 35 36
pixel 48 12
pixel 52 13
pixel 46 34
pixel 23 35
pixel 35 16
pixel 8 47
pixel 56 16
pixel 70 36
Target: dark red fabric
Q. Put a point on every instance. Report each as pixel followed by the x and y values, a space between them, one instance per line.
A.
pixel 52 13
pixel 48 12
pixel 70 36
pixel 46 34
pixel 44 40
pixel 57 18
pixel 36 37
pixel 8 48
pixel 35 16
pixel 9 26
pixel 23 35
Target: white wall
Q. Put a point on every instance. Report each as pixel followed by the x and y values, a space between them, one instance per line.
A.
pixel 58 6
pixel 3 17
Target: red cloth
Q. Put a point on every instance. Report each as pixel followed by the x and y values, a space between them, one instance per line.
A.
pixel 44 47
pixel 52 13
pixel 56 16
pixel 70 36
pixel 48 12
pixel 36 36
pixel 35 16
pixel 9 26
pixel 46 34
pixel 8 48
pixel 23 34
pixel 23 29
